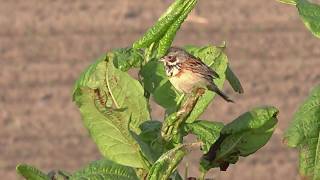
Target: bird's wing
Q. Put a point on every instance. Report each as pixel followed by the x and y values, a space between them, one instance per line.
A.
pixel 197 66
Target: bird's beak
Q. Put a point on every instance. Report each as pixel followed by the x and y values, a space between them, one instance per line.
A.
pixel 162 59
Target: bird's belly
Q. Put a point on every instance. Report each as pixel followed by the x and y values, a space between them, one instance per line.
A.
pixel 187 81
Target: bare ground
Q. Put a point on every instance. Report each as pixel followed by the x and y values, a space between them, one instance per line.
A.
pixel 45 45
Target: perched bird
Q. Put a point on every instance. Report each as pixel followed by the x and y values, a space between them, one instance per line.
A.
pixel 187 72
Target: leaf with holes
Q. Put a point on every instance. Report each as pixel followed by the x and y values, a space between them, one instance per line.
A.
pixel 110 102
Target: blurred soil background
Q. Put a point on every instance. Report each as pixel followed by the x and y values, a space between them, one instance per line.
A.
pixel 46 44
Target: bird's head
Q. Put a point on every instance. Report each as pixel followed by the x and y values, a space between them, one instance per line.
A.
pixel 174 57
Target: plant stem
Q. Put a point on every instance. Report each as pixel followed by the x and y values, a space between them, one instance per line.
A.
pixel 171 125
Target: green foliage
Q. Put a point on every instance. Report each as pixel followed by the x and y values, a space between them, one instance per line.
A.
pixel 126 58
pixel 105 169
pixel 115 110
pixel 156 32
pixel 242 137
pixel 31 173
pixel 168 162
pixel 309 13
pixel 234 81
pixel 167 39
pixel 150 134
pixel 206 131
pixel 110 100
pixel 304 134
pixel 157 83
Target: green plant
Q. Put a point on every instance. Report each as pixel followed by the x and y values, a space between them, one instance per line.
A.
pixel 304 134
pixel 115 110
pixel 309 13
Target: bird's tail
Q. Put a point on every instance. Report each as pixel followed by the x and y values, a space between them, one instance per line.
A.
pixel 215 89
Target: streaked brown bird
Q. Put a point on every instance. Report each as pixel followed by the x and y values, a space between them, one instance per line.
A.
pixel 187 73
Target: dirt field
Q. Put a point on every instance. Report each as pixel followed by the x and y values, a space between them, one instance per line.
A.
pixel 44 45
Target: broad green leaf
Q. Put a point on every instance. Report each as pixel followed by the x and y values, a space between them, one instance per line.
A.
pixel 168 162
pixel 304 134
pixel 126 58
pixel 110 102
pixel 150 130
pixel 310 15
pixel 291 2
pixel 151 135
pixel 31 173
pixel 109 130
pixel 215 58
pixel 105 169
pixel 208 132
pixel 153 75
pixel 233 80
pixel 116 90
pixel 242 137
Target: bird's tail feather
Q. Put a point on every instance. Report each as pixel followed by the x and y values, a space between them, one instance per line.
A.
pixel 215 89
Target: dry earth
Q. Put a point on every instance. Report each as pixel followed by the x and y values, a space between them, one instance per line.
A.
pixel 44 46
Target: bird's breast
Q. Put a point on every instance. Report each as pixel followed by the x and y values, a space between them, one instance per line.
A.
pixel 185 81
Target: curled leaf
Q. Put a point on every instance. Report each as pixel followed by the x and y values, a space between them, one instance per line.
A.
pixel 242 137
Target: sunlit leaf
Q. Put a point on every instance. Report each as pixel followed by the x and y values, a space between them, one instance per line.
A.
pixel 31 173
pixel 105 169
pixel 168 162
pixel 126 58
pixel 291 2
pixel 158 30
pixel 304 134
pixel 166 41
pixel 310 15
pixel 110 102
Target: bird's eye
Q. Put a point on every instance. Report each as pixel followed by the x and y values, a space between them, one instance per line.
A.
pixel 171 58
